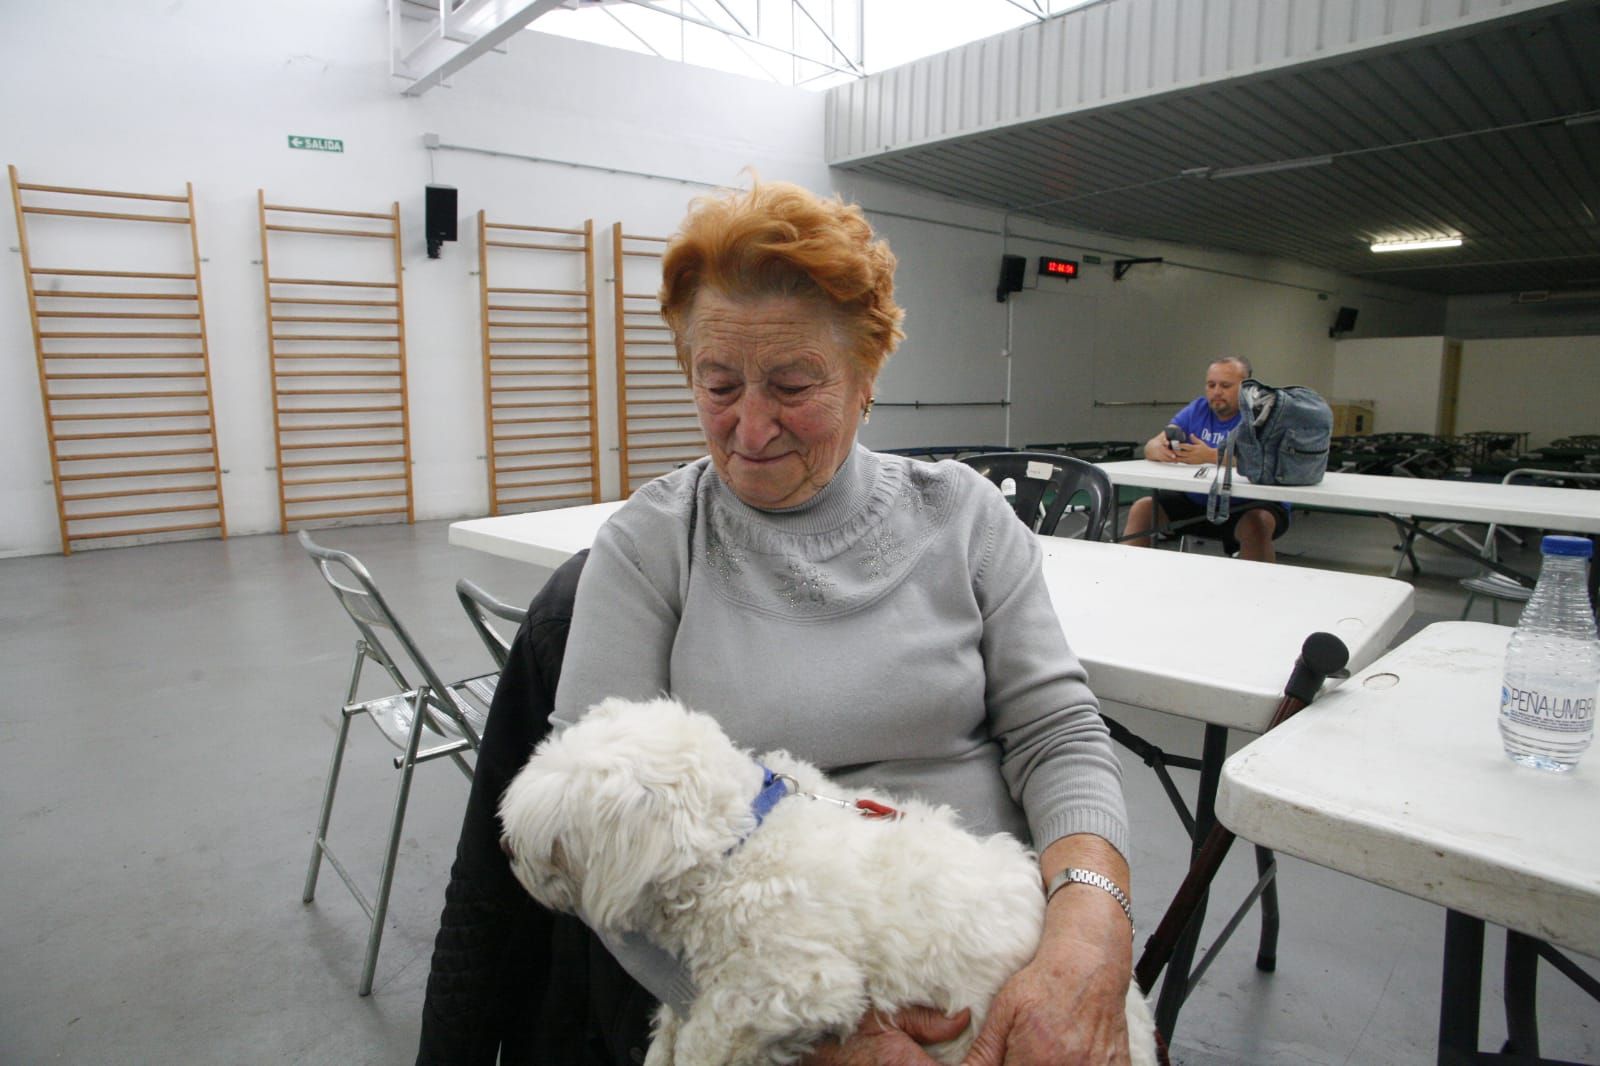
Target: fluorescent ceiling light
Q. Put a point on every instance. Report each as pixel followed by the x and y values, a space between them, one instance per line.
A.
pixel 1270 168
pixel 1417 245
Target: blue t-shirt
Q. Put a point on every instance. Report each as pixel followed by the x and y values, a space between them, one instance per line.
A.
pixel 1198 419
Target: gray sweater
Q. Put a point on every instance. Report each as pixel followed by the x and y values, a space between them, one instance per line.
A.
pixel 894 630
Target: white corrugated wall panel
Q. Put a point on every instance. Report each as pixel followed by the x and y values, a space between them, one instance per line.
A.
pixel 1028 87
pixel 1092 83
pixel 1163 43
pixel 1114 51
pixel 1272 34
pixel 1136 59
pixel 1405 15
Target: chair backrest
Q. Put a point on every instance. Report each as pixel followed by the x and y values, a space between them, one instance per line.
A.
pixel 1564 476
pixel 358 594
pixel 480 606
pixel 1094 451
pixel 1044 484
pixel 932 453
pixel 1567 478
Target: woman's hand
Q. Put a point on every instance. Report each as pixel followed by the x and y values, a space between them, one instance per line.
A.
pixel 894 1041
pixel 1068 1005
pixel 1065 1007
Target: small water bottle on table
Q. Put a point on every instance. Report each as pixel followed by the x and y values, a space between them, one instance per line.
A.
pixel 1552 677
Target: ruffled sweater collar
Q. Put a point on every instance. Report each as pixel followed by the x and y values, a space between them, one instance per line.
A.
pixel 853 490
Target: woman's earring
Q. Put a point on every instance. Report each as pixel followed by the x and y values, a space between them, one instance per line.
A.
pixel 866 412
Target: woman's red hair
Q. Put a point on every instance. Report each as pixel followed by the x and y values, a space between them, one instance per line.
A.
pixel 779 239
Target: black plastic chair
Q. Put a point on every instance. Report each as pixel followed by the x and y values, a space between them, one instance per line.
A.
pixel 1043 487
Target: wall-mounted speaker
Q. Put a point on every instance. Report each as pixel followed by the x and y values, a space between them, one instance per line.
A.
pixel 439 216
pixel 1343 322
pixel 1012 268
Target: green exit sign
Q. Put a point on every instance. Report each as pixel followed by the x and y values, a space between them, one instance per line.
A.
pixel 316 144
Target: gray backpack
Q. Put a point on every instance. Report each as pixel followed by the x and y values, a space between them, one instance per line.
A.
pixel 1282 439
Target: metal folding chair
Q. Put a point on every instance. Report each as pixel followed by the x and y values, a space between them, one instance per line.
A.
pixel 1495 586
pixel 480 607
pixel 403 716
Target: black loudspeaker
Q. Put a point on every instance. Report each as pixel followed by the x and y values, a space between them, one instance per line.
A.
pixel 1012 268
pixel 1344 322
pixel 439 216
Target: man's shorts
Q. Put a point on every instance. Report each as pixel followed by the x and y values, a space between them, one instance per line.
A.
pixel 1179 506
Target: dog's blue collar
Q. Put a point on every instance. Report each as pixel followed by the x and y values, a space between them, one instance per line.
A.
pixel 773 788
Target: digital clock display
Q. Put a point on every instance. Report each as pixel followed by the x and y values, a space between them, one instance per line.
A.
pixel 1051 267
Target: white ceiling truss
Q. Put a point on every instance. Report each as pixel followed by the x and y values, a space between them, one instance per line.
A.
pixel 429 40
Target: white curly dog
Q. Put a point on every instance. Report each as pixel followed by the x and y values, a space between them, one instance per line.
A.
pixel 794 913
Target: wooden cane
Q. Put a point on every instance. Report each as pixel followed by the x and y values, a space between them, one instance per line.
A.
pixel 1322 654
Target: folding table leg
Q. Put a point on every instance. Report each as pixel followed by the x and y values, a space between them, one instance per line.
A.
pixel 1175 985
pixel 1521 993
pixel 1267 953
pixel 1406 547
pixel 1460 989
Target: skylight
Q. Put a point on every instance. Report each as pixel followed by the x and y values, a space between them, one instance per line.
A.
pixel 816 44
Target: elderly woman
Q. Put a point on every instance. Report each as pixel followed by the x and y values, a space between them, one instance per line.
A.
pixel 881 617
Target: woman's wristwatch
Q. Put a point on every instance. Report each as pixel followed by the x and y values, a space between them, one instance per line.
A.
pixel 1074 875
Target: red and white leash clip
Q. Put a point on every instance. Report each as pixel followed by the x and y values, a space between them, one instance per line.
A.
pixel 864 807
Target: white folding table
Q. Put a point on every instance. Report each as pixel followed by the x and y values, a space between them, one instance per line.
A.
pixel 1539 506
pixel 544 538
pixel 1106 596
pixel 1403 501
pixel 1398 777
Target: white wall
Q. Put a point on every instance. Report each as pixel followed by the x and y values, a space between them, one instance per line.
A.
pixel 1094 358
pixel 1571 313
pixel 1400 375
pixel 1547 387
pixel 145 95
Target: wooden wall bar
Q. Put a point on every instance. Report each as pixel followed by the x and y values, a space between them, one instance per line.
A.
pixel 537 308
pixel 124 365
pixel 337 347
pixel 657 428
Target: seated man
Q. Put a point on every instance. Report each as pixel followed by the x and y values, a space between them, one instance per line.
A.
pixel 1204 425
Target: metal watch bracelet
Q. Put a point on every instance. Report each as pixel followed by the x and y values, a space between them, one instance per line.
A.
pixel 1074 875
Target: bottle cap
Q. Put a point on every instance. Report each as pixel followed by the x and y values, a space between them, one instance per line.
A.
pixel 1576 546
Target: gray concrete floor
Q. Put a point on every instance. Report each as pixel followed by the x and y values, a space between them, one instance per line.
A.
pixel 167 719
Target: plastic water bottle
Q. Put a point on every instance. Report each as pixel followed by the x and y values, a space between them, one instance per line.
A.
pixel 1547 700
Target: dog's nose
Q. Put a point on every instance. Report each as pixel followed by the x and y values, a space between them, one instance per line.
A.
pixel 505 848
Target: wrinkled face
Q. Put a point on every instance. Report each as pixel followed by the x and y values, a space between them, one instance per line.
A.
pixel 777 394
pixel 1222 388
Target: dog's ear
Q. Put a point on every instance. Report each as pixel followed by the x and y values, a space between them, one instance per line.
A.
pixel 643 793
pixel 635 843
pixel 533 818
